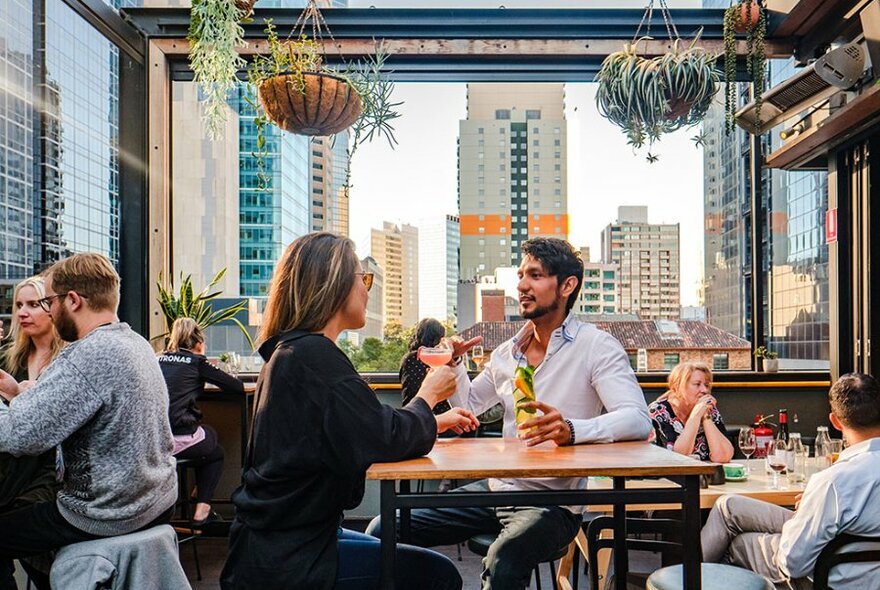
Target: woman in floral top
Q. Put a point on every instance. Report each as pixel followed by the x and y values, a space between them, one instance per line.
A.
pixel 686 418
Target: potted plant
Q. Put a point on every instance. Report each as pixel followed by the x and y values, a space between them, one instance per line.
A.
pixel 747 17
pixel 214 38
pixel 185 303
pixel 649 97
pixel 769 362
pixel 299 92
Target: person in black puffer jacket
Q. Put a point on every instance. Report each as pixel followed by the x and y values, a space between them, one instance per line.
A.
pixel 186 370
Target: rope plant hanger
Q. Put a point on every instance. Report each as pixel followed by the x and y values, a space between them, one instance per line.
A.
pixel 647 97
pixel 300 93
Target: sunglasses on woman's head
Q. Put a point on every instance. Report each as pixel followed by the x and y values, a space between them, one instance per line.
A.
pixel 367 277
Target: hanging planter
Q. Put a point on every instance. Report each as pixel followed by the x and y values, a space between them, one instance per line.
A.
pixel 214 38
pixel 313 104
pixel 647 97
pixel 750 18
pixel 299 93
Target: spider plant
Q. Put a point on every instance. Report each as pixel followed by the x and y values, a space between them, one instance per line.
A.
pixel 647 97
pixel 755 31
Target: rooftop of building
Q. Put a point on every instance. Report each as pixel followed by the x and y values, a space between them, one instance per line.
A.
pixel 632 334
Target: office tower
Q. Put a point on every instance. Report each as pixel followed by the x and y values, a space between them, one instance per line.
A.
pixel 647 256
pixel 205 214
pixel 59 148
pixel 599 291
pixel 438 267
pixel 329 160
pixel 375 326
pixel 512 172
pixel 396 250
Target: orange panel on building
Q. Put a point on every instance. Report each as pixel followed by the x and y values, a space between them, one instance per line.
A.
pixel 491 224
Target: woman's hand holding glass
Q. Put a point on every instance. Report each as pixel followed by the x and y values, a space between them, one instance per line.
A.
pixel 438 385
pixel 457 420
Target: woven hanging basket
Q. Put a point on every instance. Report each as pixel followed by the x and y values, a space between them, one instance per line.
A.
pixel 245 7
pixel 325 106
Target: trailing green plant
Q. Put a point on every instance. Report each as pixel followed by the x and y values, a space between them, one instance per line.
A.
pixel 756 61
pixel 185 303
pixel 647 97
pixel 214 38
pixel 294 59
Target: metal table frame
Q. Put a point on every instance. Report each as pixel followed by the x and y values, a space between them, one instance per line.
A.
pixel 688 495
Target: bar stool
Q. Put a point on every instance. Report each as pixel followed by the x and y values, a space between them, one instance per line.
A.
pixel 189 533
pixel 715 576
pixel 479 544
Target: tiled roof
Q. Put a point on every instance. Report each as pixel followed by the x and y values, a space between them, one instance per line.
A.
pixel 632 335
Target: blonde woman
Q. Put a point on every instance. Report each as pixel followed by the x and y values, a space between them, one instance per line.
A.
pixel 26 480
pixel 186 370
pixel 317 427
pixel 686 418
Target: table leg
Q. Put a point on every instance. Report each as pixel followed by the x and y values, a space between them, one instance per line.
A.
pixel 692 549
pixel 388 537
pixel 621 557
pixel 404 514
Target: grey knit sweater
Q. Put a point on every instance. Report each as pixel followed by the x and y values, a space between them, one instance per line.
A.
pixel 104 400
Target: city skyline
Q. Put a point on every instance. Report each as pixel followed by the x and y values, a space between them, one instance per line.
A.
pixel 424 182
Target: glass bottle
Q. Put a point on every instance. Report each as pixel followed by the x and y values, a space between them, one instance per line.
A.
pixel 823 448
pixel 796 464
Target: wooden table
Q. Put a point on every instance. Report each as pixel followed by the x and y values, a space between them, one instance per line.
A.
pixel 474 458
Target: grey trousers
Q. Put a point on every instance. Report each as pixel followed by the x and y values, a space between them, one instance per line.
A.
pixel 527 536
pixel 746 532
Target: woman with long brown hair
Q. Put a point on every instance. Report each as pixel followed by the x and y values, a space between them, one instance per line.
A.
pixel 317 428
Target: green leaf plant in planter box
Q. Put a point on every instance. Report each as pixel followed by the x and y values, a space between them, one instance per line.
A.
pixel 214 38
pixel 300 93
pixel 648 97
pixel 746 17
pixel 186 303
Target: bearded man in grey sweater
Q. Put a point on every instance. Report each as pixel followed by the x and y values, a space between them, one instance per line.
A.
pixel 104 401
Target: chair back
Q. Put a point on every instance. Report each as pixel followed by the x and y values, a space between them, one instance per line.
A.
pixel 145 560
pixel 669 545
pixel 832 556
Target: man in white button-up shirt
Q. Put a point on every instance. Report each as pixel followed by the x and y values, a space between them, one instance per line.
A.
pixel 586 393
pixel 845 498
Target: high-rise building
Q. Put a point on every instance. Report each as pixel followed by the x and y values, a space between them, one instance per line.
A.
pixel 205 214
pixel 329 195
pixel 438 267
pixel 647 256
pixel 396 250
pixel 274 209
pixel 600 289
pixel 59 139
pixel 512 172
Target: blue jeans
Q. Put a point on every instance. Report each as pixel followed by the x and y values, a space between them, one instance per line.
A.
pixel 416 567
pixel 527 535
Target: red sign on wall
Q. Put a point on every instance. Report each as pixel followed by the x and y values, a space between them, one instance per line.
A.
pixel 831 226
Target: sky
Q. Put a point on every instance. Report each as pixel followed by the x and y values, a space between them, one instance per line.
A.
pixel 418 179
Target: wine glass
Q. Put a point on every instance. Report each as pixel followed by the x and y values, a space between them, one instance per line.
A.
pixel 478 355
pixel 777 459
pixel 747 444
pixel 436 356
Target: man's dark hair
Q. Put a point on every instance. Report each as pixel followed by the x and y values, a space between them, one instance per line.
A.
pixel 855 400
pixel 559 259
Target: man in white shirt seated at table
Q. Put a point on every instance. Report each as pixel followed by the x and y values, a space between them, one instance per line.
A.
pixel 783 545
pixel 586 393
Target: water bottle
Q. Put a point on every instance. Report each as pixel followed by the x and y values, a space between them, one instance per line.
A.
pixel 823 448
pixel 796 465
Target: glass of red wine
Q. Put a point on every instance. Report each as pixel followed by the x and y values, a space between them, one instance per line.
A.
pixel 777 459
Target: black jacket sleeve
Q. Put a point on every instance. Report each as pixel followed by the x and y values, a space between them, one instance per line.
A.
pixel 221 379
pixel 359 430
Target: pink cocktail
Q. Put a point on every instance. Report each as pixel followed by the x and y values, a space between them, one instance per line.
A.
pixel 435 357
